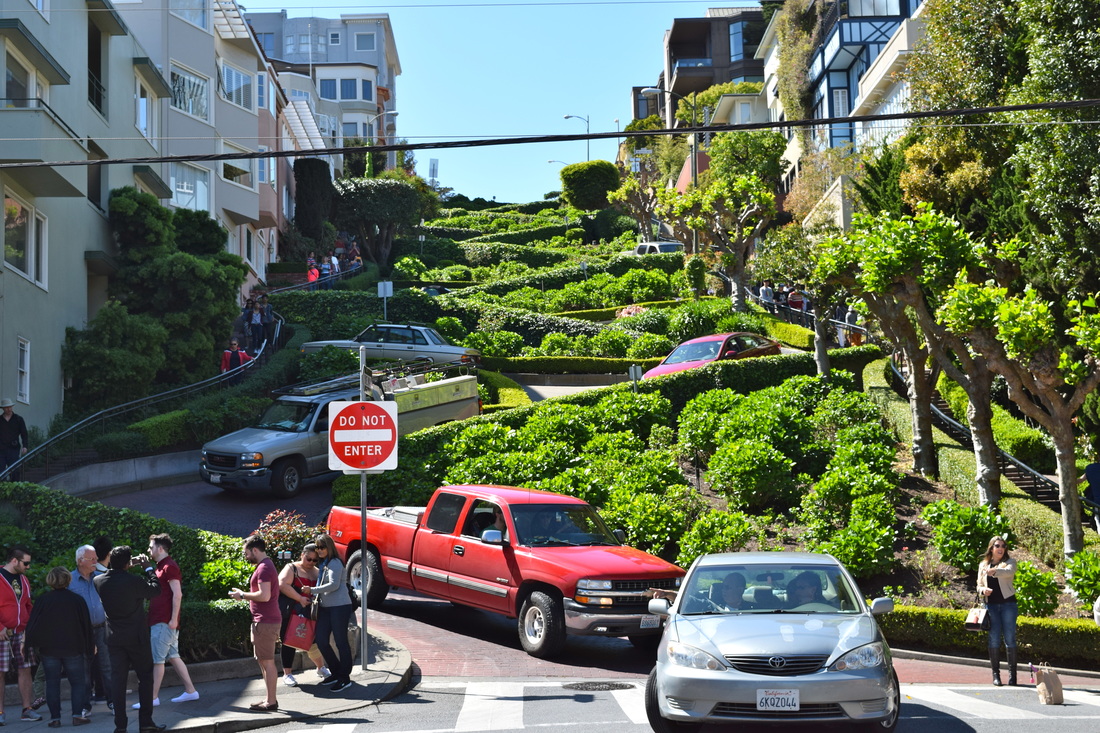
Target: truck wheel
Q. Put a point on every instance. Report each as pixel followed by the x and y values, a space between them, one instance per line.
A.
pixel 376 588
pixel 542 625
pixel 653 712
pixel 286 477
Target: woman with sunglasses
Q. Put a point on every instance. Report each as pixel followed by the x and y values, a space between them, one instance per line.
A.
pixel 296 581
pixel 995 574
pixel 335 612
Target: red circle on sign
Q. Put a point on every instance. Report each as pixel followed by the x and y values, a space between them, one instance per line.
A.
pixel 362 436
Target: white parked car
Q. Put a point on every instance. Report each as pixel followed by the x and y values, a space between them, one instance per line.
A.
pixel 402 342
pixel 773 637
pixel 656 248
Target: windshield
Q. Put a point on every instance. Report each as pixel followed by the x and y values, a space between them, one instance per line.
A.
pixel 560 525
pixel 772 588
pixel 669 247
pixel 435 337
pixel 704 351
pixel 290 417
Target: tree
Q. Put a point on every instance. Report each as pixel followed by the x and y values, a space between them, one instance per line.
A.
pixel 313 196
pixel 637 194
pixel 115 360
pixel 1019 336
pixel 735 154
pixel 375 208
pixel 197 233
pixel 708 99
pixel 586 185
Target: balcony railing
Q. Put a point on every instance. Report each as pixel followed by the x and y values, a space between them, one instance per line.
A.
pixel 97 93
pixel 36 103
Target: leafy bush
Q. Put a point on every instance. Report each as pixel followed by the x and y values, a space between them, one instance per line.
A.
pixel 842 409
pixel 285 531
pixel 1083 576
pixel 961 533
pixel 167 430
pixel 700 418
pixel 409 268
pixel 753 475
pixel 495 343
pixel 652 523
pixel 865 547
pixel 636 412
pixel 650 345
pixel 451 328
pixel 1036 591
pixel 219 576
pixel 697 318
pixel 330 361
pixel 120 444
pixel 714 531
pixel 557 422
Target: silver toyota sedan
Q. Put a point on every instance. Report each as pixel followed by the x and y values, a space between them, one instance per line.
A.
pixel 771 637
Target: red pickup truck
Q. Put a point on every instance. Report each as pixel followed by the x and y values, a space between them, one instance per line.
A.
pixel 547 560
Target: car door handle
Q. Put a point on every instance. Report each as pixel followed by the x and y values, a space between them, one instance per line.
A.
pixel 459 550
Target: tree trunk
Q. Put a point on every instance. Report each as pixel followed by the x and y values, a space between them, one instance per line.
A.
pixel 979 412
pixel 821 344
pixel 737 284
pixel 920 405
pixel 1073 533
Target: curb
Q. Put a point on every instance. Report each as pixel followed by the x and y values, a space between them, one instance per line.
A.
pixel 568 380
pixel 973 662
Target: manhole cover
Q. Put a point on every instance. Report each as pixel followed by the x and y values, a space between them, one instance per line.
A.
pixel 598 686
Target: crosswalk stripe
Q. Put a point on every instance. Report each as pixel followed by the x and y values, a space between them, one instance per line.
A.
pixel 967 704
pixel 1088 697
pixel 632 702
pixel 328 728
pixel 491 706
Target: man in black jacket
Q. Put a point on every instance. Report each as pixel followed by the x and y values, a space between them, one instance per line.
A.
pixel 124 596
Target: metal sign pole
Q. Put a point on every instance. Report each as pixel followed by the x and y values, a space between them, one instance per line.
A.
pixel 363 636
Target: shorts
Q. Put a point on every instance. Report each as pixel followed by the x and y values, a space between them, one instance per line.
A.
pixel 165 642
pixel 13 655
pixel 264 637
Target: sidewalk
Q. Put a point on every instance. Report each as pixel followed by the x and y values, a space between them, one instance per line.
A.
pixel 228 687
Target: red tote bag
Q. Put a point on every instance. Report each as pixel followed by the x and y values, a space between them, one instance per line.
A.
pixel 300 632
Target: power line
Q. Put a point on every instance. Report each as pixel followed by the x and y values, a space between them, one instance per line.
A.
pixel 408 6
pixel 530 139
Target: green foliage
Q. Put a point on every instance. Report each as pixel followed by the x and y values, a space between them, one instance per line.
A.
pixel 165 430
pixel 1083 576
pixel 119 444
pixel 714 531
pixel 700 419
pixel 495 343
pixel 197 233
pixel 375 209
pixel 285 531
pixel 1036 590
pixel 749 153
pixel 650 345
pixel 329 361
pixel 652 523
pixel 409 268
pixel 219 576
pixel 503 393
pixel 961 533
pixel 697 318
pixel 313 196
pixel 637 413
pixel 451 328
pixel 114 360
pixel 753 475
pixel 865 546
pixel 586 185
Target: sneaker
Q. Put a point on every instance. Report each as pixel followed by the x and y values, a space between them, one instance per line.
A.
pixel 322 671
pixel 137 705
pixel 341 686
pixel 289 681
pixel 30 716
pixel 38 702
pixel 330 680
pixel 85 712
pixel 187 697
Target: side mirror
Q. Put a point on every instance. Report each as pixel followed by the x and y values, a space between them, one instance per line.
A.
pixel 658 606
pixel 620 536
pixel 492 537
pixel 880 606
pixel 731 354
pixel 321 426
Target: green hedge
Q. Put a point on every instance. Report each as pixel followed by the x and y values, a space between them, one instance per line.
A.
pixel 507 393
pixel 608 314
pixel 563 364
pixel 522 236
pixel 532 327
pixel 1013 436
pixel 215 629
pixel 1062 642
pixel 162 431
pixel 423 453
pixel 560 276
pixel 1038 528
pixel 492 253
pixel 789 333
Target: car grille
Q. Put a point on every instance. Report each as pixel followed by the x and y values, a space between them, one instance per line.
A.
pixel 748 710
pixel 777 665
pixel 217 460
pixel 633 592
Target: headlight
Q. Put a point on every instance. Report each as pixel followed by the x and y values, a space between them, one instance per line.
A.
pixel 588 592
pixel 683 655
pixel 866 657
pixel 252 460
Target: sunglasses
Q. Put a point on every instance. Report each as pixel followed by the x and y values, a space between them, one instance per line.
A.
pixel 998 544
pixel 309 559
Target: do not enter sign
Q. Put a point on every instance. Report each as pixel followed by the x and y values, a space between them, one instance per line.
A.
pixel 362 436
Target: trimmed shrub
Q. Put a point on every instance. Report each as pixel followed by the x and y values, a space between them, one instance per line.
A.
pixel 714 531
pixel 753 475
pixel 700 418
pixel 961 533
pixel 1083 576
pixel 865 546
pixel 1036 590
pixel 166 430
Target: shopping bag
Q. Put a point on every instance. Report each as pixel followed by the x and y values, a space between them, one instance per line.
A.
pixel 977 619
pixel 300 632
pixel 1048 685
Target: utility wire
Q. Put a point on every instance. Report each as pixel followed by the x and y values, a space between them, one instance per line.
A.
pixel 529 139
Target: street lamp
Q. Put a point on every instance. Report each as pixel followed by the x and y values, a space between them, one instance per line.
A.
pixel 693 151
pixel 557 161
pixel 587 143
pixel 370 126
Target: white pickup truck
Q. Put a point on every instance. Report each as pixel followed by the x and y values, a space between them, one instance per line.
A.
pixel 288 447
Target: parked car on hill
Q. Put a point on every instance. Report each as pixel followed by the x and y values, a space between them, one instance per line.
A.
pixel 403 342
pixel 771 637
pixel 656 248
pixel 701 351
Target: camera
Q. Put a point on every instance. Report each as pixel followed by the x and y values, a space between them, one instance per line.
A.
pixel 284 555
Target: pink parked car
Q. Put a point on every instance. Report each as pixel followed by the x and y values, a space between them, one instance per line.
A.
pixel 705 349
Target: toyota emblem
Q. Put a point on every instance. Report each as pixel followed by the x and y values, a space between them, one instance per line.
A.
pixel 777 662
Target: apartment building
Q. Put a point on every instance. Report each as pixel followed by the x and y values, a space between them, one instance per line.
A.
pixel 79 85
pixel 352 60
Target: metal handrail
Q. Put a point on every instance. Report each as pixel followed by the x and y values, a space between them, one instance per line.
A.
pixel 44 448
pixel 319 283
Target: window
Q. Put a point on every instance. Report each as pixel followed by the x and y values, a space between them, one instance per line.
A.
pixel 189 93
pixel 248 243
pixel 862 8
pixel 368 89
pixel 17 83
pixel 23 376
pixel 350 129
pixel 840 103
pixel 289 46
pixel 265 168
pixel 24 239
pixel 238 171
pixel 261 90
pixel 267 42
pixel 334 39
pixel 445 511
pixel 190 187
pixel 193 11
pixel 237 86
pixel 303 41
pixel 364 41
pixel 745 39
pixel 746 113
pixel 328 89
pixel 347 89
pixel 146 113
pixel 368 130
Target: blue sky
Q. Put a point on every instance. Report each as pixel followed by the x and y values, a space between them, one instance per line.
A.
pixel 498 69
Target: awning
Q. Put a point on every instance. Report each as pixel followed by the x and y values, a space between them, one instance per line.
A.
pixel 19 36
pixel 151 75
pixel 153 181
